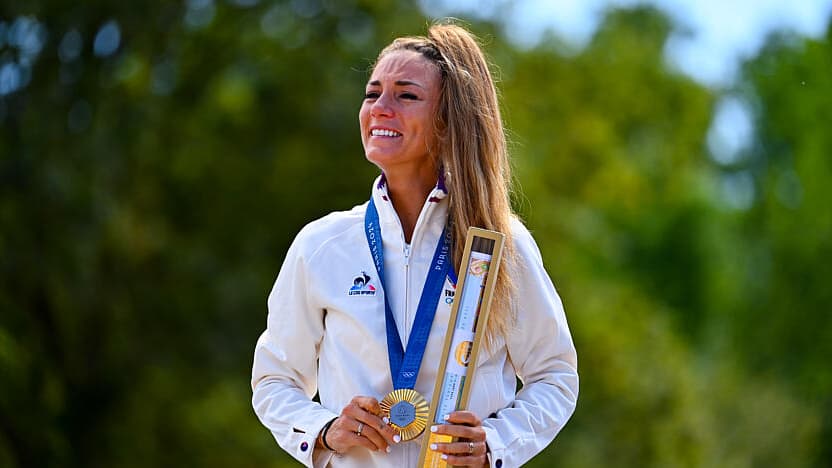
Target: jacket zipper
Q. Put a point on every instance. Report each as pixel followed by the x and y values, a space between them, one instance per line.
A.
pixel 406 251
pixel 406 289
pixel 406 336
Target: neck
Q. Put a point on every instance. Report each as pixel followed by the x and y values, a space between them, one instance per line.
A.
pixel 408 195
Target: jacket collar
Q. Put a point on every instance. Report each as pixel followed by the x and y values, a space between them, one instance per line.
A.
pixel 436 195
pixel 434 211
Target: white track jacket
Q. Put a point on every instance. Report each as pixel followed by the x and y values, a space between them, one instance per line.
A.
pixel 326 334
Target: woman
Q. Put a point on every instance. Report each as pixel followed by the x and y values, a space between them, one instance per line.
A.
pixel 430 121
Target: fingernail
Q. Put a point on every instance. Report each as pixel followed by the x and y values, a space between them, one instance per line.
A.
pixel 444 456
pixel 433 446
pixel 446 417
pixel 434 428
pixel 389 449
pixel 397 438
pixel 386 420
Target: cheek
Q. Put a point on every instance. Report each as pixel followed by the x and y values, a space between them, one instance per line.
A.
pixel 429 130
pixel 363 115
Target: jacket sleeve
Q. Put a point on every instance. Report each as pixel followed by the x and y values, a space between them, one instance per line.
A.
pixel 541 350
pixel 284 374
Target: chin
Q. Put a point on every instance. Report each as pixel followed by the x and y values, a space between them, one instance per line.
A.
pixel 379 160
pixel 375 161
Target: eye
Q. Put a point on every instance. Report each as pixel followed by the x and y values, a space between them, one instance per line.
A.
pixel 410 96
pixel 371 95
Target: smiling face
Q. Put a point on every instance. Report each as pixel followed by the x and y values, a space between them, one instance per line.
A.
pixel 397 116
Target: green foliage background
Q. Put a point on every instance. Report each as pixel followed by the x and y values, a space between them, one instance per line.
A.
pixel 147 197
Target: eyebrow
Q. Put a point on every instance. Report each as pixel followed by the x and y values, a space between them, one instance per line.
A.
pixel 397 83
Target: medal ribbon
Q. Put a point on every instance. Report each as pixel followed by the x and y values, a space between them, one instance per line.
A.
pixel 404 366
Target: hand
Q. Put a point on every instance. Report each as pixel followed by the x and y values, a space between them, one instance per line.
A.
pixel 360 425
pixel 470 447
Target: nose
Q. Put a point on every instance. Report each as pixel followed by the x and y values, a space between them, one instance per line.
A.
pixel 382 107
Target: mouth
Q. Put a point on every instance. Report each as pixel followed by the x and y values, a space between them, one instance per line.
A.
pixel 384 132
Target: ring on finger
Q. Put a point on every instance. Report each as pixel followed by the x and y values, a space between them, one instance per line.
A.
pixel 360 428
pixel 470 448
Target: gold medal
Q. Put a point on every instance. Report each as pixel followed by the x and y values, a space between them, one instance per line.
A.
pixel 407 411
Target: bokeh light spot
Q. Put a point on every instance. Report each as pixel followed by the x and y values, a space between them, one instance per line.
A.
pixel 200 13
pixel 731 131
pixel 70 47
pixel 107 39
pixel 9 78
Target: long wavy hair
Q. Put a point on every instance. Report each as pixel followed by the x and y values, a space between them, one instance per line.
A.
pixel 472 151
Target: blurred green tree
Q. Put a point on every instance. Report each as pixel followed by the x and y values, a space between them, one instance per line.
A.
pixel 154 170
pixel 611 149
pixel 781 321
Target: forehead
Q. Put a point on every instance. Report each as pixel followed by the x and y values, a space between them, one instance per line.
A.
pixel 406 65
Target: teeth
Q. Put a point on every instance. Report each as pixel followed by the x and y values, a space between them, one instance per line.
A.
pixel 383 132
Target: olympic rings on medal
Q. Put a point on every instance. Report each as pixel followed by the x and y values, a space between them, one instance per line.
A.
pixel 360 428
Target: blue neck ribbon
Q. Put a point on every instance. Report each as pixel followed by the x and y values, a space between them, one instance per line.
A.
pixel 404 366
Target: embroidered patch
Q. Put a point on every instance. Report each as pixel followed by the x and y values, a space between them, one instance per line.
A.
pixel 361 286
pixel 449 296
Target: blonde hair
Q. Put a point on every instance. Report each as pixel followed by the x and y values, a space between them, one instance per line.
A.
pixel 472 151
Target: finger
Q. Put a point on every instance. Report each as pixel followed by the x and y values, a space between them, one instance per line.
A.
pixel 359 413
pixel 456 460
pixel 391 435
pixel 368 404
pixel 464 417
pixel 387 431
pixel 362 441
pixel 373 435
pixel 356 411
pixel 370 426
pixel 372 406
pixel 460 448
pixel 476 434
pixel 342 435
